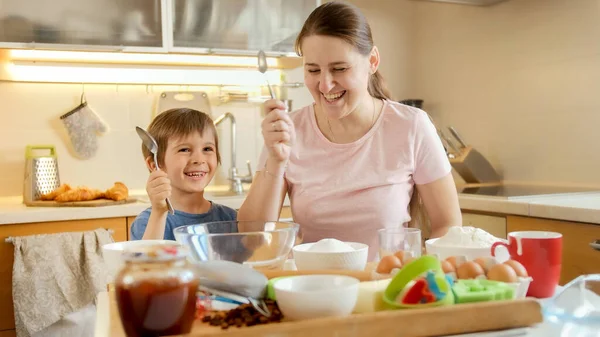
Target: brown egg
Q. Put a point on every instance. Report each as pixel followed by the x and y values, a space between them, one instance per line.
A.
pixel 403 255
pixel 408 260
pixel 447 267
pixel 503 273
pixel 485 262
pixel 517 267
pixel 469 270
pixel 388 263
pixel 456 260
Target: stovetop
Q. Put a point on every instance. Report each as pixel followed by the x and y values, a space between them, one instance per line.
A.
pixel 521 190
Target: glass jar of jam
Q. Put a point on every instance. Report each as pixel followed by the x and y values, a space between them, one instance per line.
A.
pixel 156 291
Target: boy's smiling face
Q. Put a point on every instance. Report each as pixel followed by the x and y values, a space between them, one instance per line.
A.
pixel 191 162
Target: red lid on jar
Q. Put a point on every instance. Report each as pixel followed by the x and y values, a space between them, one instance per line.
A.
pixel 155 253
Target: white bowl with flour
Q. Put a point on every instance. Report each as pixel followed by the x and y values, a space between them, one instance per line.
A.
pixel 331 254
pixel 470 242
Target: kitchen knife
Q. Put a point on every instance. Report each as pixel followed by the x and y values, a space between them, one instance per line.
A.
pixel 449 142
pixel 457 136
pixel 449 153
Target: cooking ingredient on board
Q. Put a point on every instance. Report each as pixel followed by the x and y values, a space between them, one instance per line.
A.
pixel 65 193
pixel 243 315
pixel 503 273
pixel 518 268
pixel 403 255
pixel 370 296
pixel 408 260
pixel 469 270
pixel 466 236
pixel 508 271
pixel 448 267
pixel 154 278
pixel 55 193
pixel 388 263
pixel 330 246
pixel 456 261
pixel 485 262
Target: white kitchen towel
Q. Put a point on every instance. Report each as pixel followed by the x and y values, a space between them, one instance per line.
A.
pixel 56 275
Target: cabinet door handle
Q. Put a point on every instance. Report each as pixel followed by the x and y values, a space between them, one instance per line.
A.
pixel 595 245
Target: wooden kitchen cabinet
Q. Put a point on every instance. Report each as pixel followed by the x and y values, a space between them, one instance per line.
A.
pixel 578 257
pixel 7 320
pixel 8 333
pixel 130 220
pixel 493 224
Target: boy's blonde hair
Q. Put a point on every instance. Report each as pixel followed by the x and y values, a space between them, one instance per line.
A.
pixel 179 122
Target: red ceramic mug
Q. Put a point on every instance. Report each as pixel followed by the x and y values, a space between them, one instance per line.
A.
pixel 541 254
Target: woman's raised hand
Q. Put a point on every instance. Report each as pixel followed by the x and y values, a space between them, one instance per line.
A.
pixel 278 131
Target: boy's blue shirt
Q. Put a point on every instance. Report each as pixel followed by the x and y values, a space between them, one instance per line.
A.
pixel 217 212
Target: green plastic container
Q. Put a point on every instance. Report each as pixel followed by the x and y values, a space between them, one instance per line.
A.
pixel 410 272
pixel 469 291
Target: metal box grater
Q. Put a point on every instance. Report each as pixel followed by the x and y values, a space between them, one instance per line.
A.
pixel 41 172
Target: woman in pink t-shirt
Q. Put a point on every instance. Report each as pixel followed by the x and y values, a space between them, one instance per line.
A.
pixel 350 160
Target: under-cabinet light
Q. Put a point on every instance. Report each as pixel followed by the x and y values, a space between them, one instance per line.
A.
pixel 113 74
pixel 136 58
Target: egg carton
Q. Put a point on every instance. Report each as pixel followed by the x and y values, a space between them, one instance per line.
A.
pixel 520 287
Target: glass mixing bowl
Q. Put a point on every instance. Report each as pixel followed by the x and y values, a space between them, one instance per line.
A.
pixel 575 310
pixel 258 244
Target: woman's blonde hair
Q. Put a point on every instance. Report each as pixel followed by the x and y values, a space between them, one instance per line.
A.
pixel 346 22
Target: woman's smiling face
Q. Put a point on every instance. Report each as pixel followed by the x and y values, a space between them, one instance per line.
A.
pixel 336 74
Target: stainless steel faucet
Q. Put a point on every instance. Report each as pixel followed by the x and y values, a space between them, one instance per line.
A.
pixel 236 179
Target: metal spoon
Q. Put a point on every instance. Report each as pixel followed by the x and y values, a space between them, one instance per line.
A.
pixel 236 282
pixel 263 67
pixel 152 146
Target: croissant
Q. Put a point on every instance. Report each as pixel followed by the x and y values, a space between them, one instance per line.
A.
pixel 80 194
pixel 58 191
pixel 118 192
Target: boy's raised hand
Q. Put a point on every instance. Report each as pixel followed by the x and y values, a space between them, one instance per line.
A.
pixel 158 188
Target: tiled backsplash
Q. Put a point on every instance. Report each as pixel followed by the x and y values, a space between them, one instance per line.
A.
pixel 30 115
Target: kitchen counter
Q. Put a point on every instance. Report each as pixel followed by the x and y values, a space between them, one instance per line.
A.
pixel 578 207
pixel 13 211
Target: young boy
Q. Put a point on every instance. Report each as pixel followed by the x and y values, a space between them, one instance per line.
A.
pixel 188 156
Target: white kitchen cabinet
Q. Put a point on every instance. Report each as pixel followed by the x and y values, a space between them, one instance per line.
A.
pixel 495 225
pixel 111 25
pixel 188 26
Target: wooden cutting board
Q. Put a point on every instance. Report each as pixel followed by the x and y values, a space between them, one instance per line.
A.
pixel 90 203
pixel 440 321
